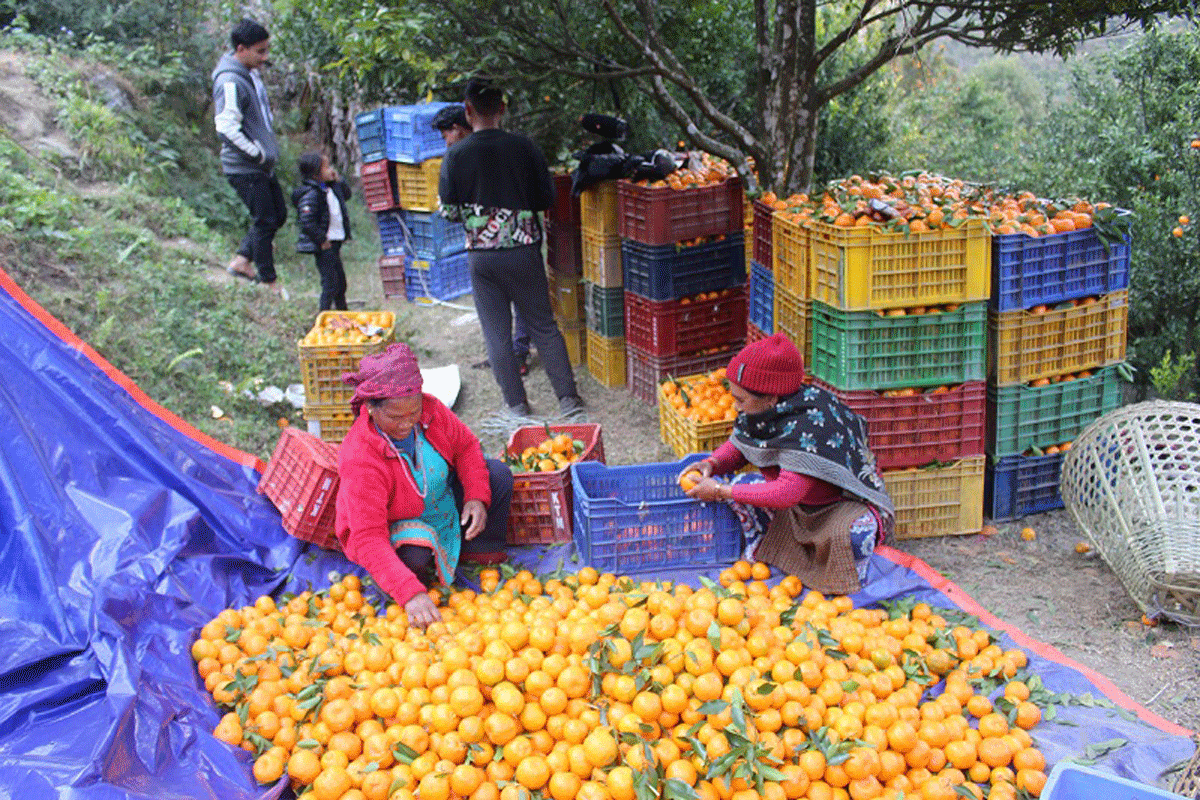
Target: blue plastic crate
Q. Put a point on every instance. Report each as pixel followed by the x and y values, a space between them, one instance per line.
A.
pixel 635 519
pixel 369 126
pixel 409 135
pixel 1069 781
pixel 1020 485
pixel 413 233
pixel 762 298
pixel 439 279
pixel 1029 271
pixel 669 272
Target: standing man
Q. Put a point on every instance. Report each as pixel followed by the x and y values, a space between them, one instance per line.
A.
pixel 496 183
pixel 451 122
pixel 248 148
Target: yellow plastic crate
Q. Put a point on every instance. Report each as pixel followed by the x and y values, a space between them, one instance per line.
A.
pixel 606 358
pixel 323 359
pixel 1024 346
pixel 938 501
pixel 859 269
pixel 329 423
pixel 685 435
pixel 602 259
pixel 789 255
pixel 793 318
pixel 566 296
pixel 575 335
pixel 749 239
pixel 598 210
pixel 417 185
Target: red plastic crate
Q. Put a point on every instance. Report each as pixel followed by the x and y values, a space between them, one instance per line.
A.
pixel 379 185
pixel 564 248
pixel 661 215
pixel 541 501
pixel 687 325
pixel 917 429
pixel 391 275
pixel 643 371
pixel 762 233
pixel 753 334
pixel 565 211
pixel 301 479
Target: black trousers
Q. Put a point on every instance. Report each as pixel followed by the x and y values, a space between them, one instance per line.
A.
pixel 264 198
pixel 333 277
pixel 494 535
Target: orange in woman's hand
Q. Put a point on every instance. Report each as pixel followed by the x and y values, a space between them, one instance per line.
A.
pixel 689 479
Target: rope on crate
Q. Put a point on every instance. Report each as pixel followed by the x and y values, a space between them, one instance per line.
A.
pixel 505 421
pixel 409 249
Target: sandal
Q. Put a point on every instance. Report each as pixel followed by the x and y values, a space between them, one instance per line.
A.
pixel 237 273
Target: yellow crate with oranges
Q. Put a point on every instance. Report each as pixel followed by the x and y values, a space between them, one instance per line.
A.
pixel 695 412
pixel 337 342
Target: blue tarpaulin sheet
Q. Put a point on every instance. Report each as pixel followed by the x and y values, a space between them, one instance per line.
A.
pixel 124 530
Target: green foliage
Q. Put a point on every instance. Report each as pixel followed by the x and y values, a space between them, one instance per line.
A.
pixel 1171 376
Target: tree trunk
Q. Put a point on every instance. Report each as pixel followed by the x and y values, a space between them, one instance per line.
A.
pixel 804 152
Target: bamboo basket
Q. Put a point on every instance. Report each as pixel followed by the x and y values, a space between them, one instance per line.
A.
pixel 1132 483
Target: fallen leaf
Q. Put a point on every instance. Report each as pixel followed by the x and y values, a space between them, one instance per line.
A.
pixel 1133 627
pixel 1163 650
pixel 216 412
pixel 988 530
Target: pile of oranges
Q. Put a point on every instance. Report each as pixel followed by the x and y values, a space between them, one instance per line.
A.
pixel 704 170
pixel 706 297
pixel 552 454
pixel 350 327
pixel 927 202
pixel 700 398
pixel 597 687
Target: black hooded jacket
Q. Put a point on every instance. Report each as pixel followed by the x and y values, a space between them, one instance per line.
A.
pixel 313 213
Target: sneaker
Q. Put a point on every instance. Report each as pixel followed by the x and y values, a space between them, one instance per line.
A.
pixel 571 406
pixel 523 364
pixel 521 409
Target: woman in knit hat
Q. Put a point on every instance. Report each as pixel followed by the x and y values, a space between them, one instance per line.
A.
pixel 822 505
pixel 414 489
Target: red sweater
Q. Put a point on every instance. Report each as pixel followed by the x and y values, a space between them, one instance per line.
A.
pixel 782 489
pixel 376 489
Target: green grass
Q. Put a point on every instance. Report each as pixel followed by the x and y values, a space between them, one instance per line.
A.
pixel 135 266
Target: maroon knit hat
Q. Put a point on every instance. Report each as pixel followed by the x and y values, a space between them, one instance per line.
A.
pixel 392 373
pixel 768 366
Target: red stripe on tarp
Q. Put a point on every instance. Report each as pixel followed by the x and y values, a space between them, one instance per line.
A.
pixel 68 336
pixel 967 603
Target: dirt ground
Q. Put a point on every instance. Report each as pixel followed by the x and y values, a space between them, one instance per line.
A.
pixel 1043 587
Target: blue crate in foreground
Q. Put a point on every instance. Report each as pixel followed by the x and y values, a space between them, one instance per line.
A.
pixel 1069 781
pixel 439 279
pixel 409 135
pixel 636 519
pixel 414 233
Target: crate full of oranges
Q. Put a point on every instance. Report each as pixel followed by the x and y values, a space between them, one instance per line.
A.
pixel 702 199
pixel 335 344
pixel 695 413
pixel 539 457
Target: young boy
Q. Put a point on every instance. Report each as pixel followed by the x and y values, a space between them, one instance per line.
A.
pixel 320 202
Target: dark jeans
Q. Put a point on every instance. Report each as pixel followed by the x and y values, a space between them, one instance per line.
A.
pixel 495 532
pixel 264 198
pixel 501 279
pixel 333 277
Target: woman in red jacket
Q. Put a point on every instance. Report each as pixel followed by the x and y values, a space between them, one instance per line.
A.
pixel 414 490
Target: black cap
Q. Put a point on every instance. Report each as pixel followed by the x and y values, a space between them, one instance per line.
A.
pixel 449 116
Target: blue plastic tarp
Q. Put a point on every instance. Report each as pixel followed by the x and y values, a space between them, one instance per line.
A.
pixel 124 531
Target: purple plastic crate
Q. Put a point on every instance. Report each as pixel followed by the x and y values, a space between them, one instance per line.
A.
pixel 762 298
pixel 1045 270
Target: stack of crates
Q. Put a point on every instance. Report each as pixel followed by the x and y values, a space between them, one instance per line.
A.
pixel 760 282
pixel 564 268
pixel 335 345
pixel 684 265
pixel 603 284
pixel 423 254
pixel 897 328
pixel 1057 323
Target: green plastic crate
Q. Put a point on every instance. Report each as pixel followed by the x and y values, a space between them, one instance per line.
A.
pixel 605 309
pixel 1025 416
pixel 865 350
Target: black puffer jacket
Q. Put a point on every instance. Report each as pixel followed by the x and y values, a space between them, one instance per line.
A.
pixel 313 213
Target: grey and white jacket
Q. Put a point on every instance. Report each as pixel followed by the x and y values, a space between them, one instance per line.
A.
pixel 243 119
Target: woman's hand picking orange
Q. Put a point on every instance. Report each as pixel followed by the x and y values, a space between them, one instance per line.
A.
pixel 710 491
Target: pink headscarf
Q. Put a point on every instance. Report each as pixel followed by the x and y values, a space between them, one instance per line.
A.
pixel 392 373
